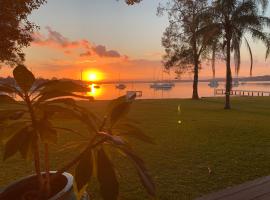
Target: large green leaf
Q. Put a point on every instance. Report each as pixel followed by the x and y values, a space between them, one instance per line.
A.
pixel 42 85
pixel 17 115
pixel 118 108
pixel 84 170
pixel 10 129
pixel 47 133
pixel 23 77
pixel 117 140
pixel 64 86
pixel 7 89
pixel 109 186
pixel 66 101
pixel 5 99
pixel 59 94
pixel 11 114
pixel 17 142
pixel 132 130
pixel 145 178
pixel 27 147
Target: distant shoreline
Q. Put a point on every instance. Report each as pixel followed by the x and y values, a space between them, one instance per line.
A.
pixel 241 79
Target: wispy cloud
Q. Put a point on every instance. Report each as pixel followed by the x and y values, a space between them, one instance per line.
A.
pixel 54 39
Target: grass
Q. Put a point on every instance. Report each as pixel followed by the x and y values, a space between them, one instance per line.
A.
pixel 233 144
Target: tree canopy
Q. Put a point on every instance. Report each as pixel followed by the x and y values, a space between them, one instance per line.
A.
pixel 184 46
pixel 131 2
pixel 233 21
pixel 16 29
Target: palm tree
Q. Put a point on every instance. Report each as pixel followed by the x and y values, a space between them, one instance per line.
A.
pixel 233 21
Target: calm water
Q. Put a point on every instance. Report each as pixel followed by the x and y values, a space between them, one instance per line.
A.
pixel 181 90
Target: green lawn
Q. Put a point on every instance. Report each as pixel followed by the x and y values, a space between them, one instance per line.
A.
pixel 234 144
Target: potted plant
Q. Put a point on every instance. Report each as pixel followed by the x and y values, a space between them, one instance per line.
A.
pixel 27 126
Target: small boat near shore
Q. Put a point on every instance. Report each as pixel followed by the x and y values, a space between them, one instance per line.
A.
pixel 162 85
pixel 213 84
pixel 120 86
pixel 236 83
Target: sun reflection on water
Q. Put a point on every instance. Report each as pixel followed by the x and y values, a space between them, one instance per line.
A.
pixel 95 90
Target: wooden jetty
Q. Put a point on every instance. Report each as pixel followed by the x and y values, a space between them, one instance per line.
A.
pixel 247 93
pixel 137 93
pixel 258 189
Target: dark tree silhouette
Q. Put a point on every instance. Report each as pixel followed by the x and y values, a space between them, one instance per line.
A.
pixel 233 19
pixel 184 46
pixel 16 30
pixel 131 2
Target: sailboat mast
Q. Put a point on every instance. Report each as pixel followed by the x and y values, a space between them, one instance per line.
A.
pixel 81 75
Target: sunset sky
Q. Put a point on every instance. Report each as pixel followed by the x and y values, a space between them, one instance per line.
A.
pixel 110 38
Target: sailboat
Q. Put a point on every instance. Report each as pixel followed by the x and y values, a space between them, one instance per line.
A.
pixel 119 85
pixel 236 82
pixel 213 83
pixel 162 85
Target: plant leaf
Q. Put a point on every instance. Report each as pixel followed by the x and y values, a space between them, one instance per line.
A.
pixel 59 94
pixel 83 171
pixel 5 99
pixel 47 133
pixel 23 77
pixel 11 114
pixel 17 115
pixel 145 178
pixel 9 130
pixel 64 86
pixel 26 149
pixel 66 101
pixel 17 142
pixel 7 89
pixel 109 186
pixel 129 129
pixel 117 140
pixel 118 108
pixel 42 85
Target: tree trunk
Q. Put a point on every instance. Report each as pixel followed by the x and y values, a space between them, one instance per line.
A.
pixel 195 82
pixel 228 75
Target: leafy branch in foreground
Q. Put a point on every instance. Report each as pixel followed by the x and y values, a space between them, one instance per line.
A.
pixel 28 125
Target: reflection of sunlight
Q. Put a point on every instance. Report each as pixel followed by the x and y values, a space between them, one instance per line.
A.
pixel 95 90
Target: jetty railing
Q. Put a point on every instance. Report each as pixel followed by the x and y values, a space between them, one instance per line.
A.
pixel 137 93
pixel 248 93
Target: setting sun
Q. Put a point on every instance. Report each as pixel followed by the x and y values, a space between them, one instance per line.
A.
pixel 92 76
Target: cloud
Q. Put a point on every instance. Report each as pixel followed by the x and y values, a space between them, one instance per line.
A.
pixel 102 52
pixel 54 39
pixel 86 54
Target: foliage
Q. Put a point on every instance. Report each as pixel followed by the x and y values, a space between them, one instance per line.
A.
pixel 131 2
pixel 29 126
pixel 181 34
pixel 232 21
pixel 184 46
pixel 16 29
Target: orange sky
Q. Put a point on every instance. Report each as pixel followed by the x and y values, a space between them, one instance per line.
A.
pixel 54 55
pixel 108 37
